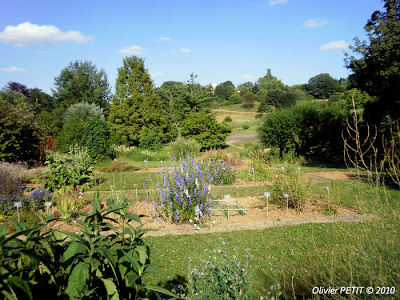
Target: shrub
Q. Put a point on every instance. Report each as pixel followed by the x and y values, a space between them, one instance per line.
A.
pixel 334 98
pixel 68 170
pixel 19 134
pixel 290 182
pixel 17 170
pixel 97 139
pixel 225 173
pixel 235 98
pixel 205 129
pixel 307 129
pixel 248 99
pixel 183 192
pixel 246 126
pixel 74 130
pixel 228 119
pixel 11 191
pixel 223 275
pixel 184 146
pixel 71 134
pixel 286 100
pixel 83 111
pixel 152 141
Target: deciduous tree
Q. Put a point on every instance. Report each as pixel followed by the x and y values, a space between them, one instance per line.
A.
pixel 376 64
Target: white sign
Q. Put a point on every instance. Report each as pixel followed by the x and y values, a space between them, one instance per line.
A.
pixel 267 194
pixel 48 204
pixel 227 196
pixel 18 204
pixel 286 195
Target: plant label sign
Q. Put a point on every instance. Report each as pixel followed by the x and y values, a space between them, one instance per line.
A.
pixel 48 204
pixel 227 197
pixel 18 204
pixel 267 194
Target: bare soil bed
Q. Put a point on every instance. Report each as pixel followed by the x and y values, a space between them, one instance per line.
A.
pixel 254 217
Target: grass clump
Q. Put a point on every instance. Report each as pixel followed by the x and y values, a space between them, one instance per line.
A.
pixel 223 274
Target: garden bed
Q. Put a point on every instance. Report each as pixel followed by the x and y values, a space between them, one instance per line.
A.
pixel 254 216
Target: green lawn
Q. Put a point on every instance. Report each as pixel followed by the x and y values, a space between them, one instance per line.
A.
pixel 301 257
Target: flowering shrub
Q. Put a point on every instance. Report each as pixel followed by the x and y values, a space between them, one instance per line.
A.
pixel 223 275
pixel 38 197
pixel 225 173
pixel 11 191
pixel 183 192
pixel 17 169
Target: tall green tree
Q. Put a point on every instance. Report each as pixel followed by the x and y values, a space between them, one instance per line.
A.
pixel 191 97
pixel 322 86
pixel 376 64
pixel 79 82
pixel 224 90
pixel 269 82
pixel 136 107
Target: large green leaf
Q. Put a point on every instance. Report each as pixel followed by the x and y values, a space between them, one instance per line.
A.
pixel 111 289
pixel 134 217
pixel 141 250
pixel 20 287
pixel 77 279
pixel 159 289
pixel 73 249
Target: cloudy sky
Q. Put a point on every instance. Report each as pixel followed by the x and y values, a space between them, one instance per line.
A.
pixel 219 40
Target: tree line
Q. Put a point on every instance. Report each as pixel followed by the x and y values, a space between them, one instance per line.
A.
pixel 82 110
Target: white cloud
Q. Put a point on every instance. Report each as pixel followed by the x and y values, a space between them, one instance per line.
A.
pixel 157 74
pixel 315 23
pixel 172 52
pixel 248 76
pixel 27 34
pixel 275 2
pixel 163 38
pixel 132 50
pixel 185 50
pixel 336 45
pixel 12 70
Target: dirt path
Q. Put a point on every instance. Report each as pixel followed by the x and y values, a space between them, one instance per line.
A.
pixel 236 112
pixel 187 229
pixel 243 137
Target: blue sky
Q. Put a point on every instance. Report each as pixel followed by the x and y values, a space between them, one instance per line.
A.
pixel 218 40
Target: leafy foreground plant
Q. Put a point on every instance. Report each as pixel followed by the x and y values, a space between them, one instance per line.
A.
pixel 105 260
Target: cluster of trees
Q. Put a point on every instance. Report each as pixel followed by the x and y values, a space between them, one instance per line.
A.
pixel 372 91
pixel 82 111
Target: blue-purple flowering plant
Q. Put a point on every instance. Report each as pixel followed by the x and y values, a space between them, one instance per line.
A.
pixel 183 192
pixel 38 197
pixel 11 191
